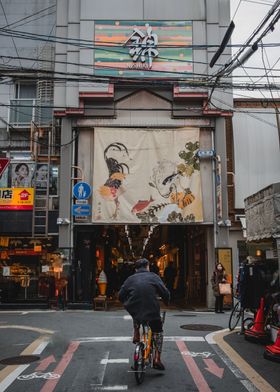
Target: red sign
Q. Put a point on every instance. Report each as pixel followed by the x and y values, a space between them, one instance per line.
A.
pixel 3 164
pixel 24 195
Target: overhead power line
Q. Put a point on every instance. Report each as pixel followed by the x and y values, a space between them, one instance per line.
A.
pixel 4 12
pixel 26 18
pixel 102 45
pixel 236 60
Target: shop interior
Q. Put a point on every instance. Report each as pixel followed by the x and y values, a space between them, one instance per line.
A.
pixel 31 270
pixel 113 249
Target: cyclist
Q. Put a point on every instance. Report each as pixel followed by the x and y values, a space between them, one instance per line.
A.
pixel 139 295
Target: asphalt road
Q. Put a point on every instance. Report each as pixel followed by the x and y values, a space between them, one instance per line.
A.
pixel 85 351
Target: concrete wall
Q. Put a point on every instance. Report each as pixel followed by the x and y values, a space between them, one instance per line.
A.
pixel 235 236
pixel 256 152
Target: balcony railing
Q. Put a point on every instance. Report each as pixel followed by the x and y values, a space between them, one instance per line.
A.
pixel 23 111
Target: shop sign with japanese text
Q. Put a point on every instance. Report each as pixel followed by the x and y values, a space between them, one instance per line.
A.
pixel 143 48
pixel 16 198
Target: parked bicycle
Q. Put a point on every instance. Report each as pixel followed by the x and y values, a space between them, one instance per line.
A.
pixel 272 302
pixel 144 352
pixel 238 314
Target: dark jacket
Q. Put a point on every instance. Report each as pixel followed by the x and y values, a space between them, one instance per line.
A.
pixel 218 277
pixel 139 295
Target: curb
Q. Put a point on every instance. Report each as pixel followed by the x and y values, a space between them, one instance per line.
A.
pixel 252 375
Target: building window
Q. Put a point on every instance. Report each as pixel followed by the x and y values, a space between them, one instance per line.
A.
pixel 22 108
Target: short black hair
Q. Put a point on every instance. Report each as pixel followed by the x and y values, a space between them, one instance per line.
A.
pixel 141 263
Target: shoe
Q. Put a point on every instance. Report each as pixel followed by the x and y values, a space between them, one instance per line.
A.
pixel 221 311
pixel 158 366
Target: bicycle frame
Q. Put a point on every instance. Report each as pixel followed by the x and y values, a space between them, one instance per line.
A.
pixel 143 354
pixel 144 351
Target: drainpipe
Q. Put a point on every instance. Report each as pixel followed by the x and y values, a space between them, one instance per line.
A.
pixel 214 191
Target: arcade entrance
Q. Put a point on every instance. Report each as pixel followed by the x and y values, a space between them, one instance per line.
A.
pixel 115 248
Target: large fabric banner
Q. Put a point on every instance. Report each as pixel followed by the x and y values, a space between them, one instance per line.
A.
pixel 146 176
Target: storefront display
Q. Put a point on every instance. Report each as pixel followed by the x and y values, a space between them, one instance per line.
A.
pixel 29 269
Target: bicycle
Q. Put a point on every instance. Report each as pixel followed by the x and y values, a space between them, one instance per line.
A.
pixel 144 352
pixel 237 313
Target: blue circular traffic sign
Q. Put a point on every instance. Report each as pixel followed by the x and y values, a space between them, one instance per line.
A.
pixel 82 190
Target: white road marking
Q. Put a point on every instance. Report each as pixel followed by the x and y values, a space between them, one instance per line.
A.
pixel 113 388
pixel 127 317
pixel 117 360
pixel 249 386
pixel 102 372
pixel 46 376
pixel 20 369
pixel 210 337
pixel 102 339
pixel 193 354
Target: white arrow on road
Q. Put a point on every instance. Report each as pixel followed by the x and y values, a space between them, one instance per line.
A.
pixel 213 368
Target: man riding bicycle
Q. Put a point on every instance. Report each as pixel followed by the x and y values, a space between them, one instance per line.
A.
pixel 139 295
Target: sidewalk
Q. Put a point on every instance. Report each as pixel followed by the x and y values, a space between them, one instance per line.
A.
pixel 249 358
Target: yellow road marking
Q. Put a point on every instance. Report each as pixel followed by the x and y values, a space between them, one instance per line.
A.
pixel 26 327
pixel 249 372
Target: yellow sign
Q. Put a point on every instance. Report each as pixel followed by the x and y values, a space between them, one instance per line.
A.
pixel 4 242
pixel 16 198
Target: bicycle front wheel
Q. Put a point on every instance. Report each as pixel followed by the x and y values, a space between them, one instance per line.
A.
pixel 235 316
pixel 247 323
pixel 139 363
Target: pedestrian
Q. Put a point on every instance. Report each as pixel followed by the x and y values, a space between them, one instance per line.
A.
pixel 219 276
pixel 154 268
pixel 169 275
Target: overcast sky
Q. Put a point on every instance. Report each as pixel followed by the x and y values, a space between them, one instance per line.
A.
pixel 247 16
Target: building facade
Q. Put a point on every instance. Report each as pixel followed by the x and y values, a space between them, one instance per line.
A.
pixel 29 153
pixel 134 114
pixel 133 121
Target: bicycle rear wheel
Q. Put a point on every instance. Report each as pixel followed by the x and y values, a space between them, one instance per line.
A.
pixel 139 363
pixel 235 316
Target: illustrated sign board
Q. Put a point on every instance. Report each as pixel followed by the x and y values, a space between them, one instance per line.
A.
pixel 146 176
pixel 143 48
pixel 82 190
pixel 3 164
pixel 16 198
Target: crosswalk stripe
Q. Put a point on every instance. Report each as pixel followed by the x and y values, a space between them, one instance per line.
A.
pixel 118 360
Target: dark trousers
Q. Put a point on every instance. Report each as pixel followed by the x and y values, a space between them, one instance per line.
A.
pixel 156 325
pixel 219 303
